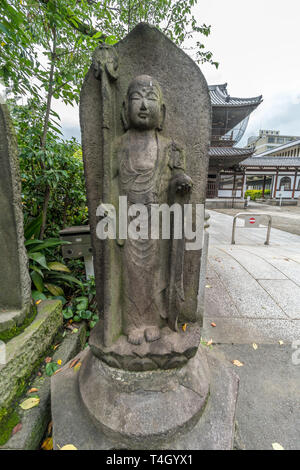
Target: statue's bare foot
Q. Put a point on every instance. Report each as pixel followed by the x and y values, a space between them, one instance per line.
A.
pixel 135 336
pixel 152 333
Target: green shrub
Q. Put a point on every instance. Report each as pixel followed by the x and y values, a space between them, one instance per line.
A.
pixel 255 193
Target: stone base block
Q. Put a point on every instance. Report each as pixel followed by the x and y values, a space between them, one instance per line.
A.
pixel 103 408
pixel 12 319
pixel 23 352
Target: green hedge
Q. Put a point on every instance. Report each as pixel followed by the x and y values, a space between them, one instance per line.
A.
pixel 255 193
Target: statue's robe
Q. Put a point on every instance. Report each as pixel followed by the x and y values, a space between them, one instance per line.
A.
pixel 146 262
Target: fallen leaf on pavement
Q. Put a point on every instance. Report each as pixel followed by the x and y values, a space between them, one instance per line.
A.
pixel 32 390
pixel 47 444
pixel 209 342
pixel 184 326
pixel 213 324
pixel 237 363
pixel 277 446
pixel 77 367
pixel 254 346
pixel 208 286
pixel 74 362
pixel 29 403
pixel 50 425
pixel 17 428
pixel 281 342
pixel 68 447
pixel 56 346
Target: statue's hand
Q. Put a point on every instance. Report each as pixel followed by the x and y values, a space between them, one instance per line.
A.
pixel 183 183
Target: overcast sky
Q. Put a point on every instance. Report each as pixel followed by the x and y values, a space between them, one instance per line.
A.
pixel 257 44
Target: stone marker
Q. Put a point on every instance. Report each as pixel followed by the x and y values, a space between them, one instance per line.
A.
pixel 145 117
pixel 15 282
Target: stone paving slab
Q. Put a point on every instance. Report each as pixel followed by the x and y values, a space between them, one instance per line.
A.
pixel 255 265
pixel 286 294
pixel 250 330
pixel 269 395
pixel 253 293
pixel 218 302
pixel 251 300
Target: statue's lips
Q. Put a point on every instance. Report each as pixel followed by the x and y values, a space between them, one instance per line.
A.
pixel 143 115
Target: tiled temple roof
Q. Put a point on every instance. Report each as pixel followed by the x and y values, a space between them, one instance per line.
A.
pixel 220 97
pixel 271 162
pixel 229 151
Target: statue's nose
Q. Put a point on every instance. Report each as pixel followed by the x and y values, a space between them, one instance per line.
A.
pixel 143 105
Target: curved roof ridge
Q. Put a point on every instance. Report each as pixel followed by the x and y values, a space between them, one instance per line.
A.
pixel 220 97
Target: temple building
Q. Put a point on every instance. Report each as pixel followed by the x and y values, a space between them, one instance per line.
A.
pixel 230 116
pixel 276 172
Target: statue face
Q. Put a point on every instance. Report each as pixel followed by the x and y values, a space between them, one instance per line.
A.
pixel 144 107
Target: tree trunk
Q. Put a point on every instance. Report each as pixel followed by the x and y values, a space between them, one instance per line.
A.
pixel 66 205
pixel 45 208
pixel 45 130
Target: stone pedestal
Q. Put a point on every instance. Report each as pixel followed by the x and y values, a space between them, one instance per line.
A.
pixel 99 407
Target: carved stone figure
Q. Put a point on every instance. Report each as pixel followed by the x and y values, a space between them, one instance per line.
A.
pixel 150 170
pixel 144 383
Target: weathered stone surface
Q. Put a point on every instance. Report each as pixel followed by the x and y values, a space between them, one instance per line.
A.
pixel 145 120
pixel 214 429
pixel 14 277
pixel 24 351
pixel 172 350
pixel 35 421
pixel 144 408
pixel 155 149
pixel 269 395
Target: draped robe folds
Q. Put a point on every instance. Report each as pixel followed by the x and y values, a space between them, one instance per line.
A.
pixel 146 262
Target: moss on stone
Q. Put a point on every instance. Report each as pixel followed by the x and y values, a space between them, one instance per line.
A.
pixel 9 420
pixel 16 330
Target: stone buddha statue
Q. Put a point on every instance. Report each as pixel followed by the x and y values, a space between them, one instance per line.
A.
pixel 149 169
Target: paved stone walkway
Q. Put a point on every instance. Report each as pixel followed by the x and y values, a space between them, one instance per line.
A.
pixel 253 296
pixel 253 290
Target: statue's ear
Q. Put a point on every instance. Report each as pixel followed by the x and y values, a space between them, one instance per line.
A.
pixel 162 117
pixel 124 116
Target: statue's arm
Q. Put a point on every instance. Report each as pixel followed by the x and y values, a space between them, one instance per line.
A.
pixel 181 182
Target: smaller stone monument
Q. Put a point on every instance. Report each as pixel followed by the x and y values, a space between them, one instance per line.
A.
pixel 15 284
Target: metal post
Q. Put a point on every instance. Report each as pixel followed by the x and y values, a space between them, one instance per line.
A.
pixel 233 230
pixel 264 186
pixel 269 231
pixel 294 185
pixel 275 189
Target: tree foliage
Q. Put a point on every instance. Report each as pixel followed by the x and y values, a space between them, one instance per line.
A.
pixel 58 166
pixel 46 48
pixel 66 31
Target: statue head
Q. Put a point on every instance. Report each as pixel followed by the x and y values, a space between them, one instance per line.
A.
pixel 144 108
